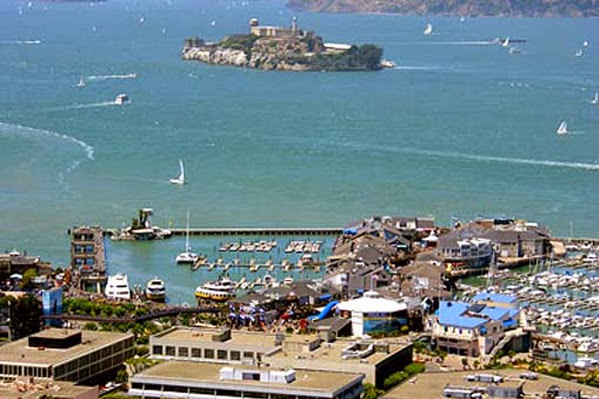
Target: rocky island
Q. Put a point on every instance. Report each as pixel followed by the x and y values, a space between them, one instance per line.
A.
pixel 284 49
pixel 466 8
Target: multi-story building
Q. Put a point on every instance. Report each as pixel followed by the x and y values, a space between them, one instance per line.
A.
pixel 65 355
pixel 189 380
pixel 375 359
pixel 88 256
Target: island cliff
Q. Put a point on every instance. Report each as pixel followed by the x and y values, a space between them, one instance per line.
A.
pixel 499 8
pixel 285 49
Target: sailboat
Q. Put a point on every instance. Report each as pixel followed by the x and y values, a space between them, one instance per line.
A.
pixel 428 30
pixel 81 82
pixel 579 53
pixel 181 178
pixel 187 256
pixel 562 128
pixel 506 42
pixel 595 99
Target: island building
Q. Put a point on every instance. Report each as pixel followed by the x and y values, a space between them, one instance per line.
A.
pixel 375 359
pixel 82 357
pixel 477 328
pixel 88 257
pixel 184 379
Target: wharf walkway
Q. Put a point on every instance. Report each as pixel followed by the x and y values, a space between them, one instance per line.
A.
pixel 137 319
pixel 259 231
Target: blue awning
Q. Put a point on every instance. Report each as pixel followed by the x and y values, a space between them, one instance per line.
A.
pixel 509 323
pixel 324 297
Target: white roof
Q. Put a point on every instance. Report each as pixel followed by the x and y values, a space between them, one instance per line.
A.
pixel 372 302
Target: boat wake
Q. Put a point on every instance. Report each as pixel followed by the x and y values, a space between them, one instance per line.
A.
pixel 110 77
pixel 82 106
pixel 21 42
pixel 417 68
pixel 7 130
pixel 484 158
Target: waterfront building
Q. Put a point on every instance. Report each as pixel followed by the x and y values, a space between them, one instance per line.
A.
pixel 376 360
pixel 466 246
pixel 65 355
pixel 88 256
pixel 15 262
pixel 471 329
pixel 179 379
pixel 374 314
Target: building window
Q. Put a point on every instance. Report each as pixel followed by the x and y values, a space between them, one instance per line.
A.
pixel 222 354
pixel 235 355
pixel 250 376
pixel 227 392
pixel 136 385
pixel 201 391
pixel 157 350
pixel 175 388
pixel 183 352
pixel 209 353
pixel 248 355
pixel 256 395
pixel 152 387
pixel 170 351
pixel 196 352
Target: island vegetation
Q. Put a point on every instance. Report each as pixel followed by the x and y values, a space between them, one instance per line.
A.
pixel 288 49
pixel 510 8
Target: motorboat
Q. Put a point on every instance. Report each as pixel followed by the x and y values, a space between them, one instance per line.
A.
pixel 122 99
pixel 562 128
pixel 117 287
pixel 156 290
pixel 180 180
pixel 428 29
pixel 388 64
pixel 217 291
pixel 187 256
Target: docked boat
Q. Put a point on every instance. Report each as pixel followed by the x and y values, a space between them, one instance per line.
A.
pixel 156 290
pixel 428 29
pixel 122 99
pixel 187 256
pixel 180 180
pixel 117 287
pixel 562 128
pixel 217 291
pixel 585 362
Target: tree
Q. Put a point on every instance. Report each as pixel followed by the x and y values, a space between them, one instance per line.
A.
pixel 121 376
pixel 27 281
pixel 25 316
pixel 371 392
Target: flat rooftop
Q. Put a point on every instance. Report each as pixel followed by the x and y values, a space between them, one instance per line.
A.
pixel 238 338
pixel 25 390
pixel 19 351
pixel 430 385
pixel 209 373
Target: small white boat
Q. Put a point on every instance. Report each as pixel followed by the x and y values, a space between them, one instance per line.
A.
pixel 595 99
pixel 288 280
pixel 506 42
pixel 156 290
pixel 117 287
pixel 562 128
pixel 187 256
pixel 122 99
pixel 428 29
pixel 462 19
pixel 180 180
pixel 213 22
pixel 579 53
pixel 81 82
pixel 585 362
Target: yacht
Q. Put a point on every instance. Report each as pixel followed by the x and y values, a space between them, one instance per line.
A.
pixel 562 128
pixel 122 99
pixel 428 30
pixel 155 290
pixel 117 287
pixel 187 256
pixel 217 291
pixel 180 180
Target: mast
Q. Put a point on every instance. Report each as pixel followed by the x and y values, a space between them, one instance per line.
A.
pixel 187 234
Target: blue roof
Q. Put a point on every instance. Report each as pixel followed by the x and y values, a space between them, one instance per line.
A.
pixel 450 313
pixel 509 323
pixel 494 313
pixel 499 298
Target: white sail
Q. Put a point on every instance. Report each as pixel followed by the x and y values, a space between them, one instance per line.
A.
pixel 181 178
pixel 187 256
pixel 562 128
pixel 595 99
pixel 506 42
pixel 428 30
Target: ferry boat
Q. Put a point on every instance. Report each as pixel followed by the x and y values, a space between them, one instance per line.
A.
pixel 156 290
pixel 117 287
pixel 122 99
pixel 217 291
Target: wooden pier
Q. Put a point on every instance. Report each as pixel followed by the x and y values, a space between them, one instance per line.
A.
pixel 259 231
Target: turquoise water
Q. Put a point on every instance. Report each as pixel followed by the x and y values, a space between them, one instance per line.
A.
pixel 460 128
